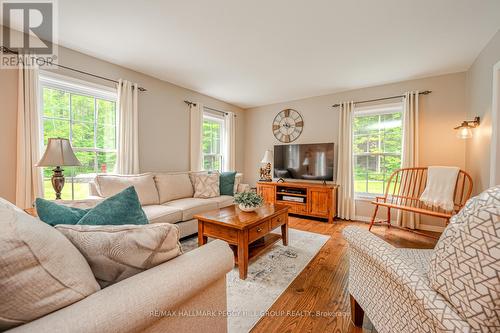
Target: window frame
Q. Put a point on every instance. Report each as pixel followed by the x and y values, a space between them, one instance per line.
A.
pixel 82 88
pixel 379 109
pixel 219 118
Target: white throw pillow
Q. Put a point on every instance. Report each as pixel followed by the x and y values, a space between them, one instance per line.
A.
pixel 466 260
pixel 116 252
pixel 207 186
pixel 41 271
pixel 144 185
pixel 173 186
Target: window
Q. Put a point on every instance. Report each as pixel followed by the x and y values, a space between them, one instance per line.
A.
pixel 377 146
pixel 86 115
pixel 213 136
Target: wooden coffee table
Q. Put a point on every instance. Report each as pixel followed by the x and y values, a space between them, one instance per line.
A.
pixel 247 233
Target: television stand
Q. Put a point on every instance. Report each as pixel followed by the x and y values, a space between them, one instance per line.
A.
pixel 303 198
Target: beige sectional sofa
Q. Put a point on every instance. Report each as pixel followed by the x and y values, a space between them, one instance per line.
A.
pixel 171 297
pixel 165 197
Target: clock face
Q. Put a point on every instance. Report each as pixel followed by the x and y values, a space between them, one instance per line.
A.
pixel 288 125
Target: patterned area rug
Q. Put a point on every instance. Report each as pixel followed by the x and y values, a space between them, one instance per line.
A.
pixel 269 275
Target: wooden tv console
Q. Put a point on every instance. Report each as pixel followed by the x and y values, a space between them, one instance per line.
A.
pixel 312 199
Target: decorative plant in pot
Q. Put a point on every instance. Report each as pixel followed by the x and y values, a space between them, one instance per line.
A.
pixel 248 201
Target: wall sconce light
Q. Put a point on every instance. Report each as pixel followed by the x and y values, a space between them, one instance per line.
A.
pixel 465 129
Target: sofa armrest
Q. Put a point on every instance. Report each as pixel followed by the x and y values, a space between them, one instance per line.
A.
pixel 387 285
pixel 93 189
pixel 83 203
pixel 130 305
pixel 243 188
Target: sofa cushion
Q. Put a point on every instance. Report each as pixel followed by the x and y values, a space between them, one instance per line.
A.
pixel 41 271
pixel 82 204
pixel 206 186
pixel 192 206
pixel 118 252
pixel 144 184
pixel 466 261
pixel 121 208
pixel 223 200
pixel 173 186
pixel 162 214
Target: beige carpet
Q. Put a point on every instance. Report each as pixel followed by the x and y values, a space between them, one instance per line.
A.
pixel 269 275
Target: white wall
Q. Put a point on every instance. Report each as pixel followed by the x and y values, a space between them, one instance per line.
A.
pixel 479 102
pixel 440 112
pixel 163 117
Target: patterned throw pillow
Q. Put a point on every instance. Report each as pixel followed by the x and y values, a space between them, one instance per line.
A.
pixel 206 186
pixel 466 260
pixel 116 252
pixel 41 271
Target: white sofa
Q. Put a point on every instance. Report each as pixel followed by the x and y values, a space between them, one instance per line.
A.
pixel 165 197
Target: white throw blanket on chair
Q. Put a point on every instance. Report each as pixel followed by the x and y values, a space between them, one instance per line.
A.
pixel 440 187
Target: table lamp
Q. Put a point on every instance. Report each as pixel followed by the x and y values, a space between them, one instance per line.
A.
pixel 265 172
pixel 58 153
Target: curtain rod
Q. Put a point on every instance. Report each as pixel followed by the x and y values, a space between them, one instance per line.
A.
pixel 9 51
pixel 425 92
pixel 206 107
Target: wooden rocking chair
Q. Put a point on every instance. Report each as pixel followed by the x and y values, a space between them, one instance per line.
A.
pixel 404 188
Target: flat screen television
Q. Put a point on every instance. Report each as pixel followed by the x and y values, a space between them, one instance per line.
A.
pixel 304 161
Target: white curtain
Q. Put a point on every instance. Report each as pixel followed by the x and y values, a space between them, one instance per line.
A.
pixel 345 179
pixel 229 142
pixel 28 177
pixel 196 123
pixel 128 128
pixel 410 150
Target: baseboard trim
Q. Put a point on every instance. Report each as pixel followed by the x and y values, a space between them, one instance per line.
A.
pixel 425 227
pixel 435 228
pixel 368 219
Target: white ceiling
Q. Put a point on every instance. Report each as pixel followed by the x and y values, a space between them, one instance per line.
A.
pixel 258 52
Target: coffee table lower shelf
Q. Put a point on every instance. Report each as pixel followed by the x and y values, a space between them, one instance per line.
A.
pixel 257 247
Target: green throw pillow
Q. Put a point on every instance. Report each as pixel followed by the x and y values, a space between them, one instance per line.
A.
pixel 53 213
pixel 121 208
pixel 226 182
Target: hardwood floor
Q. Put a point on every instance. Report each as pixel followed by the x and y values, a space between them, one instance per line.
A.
pixel 322 285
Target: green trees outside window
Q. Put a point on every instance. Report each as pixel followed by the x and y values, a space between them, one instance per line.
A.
pixel 89 122
pixel 377 147
pixel 212 143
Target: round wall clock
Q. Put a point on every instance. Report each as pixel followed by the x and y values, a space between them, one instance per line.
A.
pixel 288 125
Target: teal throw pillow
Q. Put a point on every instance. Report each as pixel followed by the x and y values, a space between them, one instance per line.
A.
pixel 122 208
pixel 53 213
pixel 226 182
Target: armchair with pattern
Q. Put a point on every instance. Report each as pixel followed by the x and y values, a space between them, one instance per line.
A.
pixel 453 288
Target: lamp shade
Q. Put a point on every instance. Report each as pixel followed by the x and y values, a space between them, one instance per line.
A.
pixel 58 153
pixel 464 133
pixel 268 157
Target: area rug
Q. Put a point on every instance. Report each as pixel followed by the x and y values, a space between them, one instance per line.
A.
pixel 269 275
